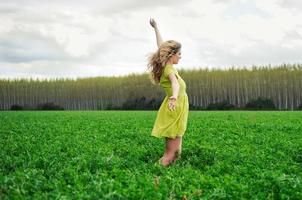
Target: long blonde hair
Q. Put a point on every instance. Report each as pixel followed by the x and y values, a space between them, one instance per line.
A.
pixel 158 60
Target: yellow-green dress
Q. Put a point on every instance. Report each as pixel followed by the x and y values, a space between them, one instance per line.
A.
pixel 171 123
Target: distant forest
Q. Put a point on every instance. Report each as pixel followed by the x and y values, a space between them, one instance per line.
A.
pixel 259 87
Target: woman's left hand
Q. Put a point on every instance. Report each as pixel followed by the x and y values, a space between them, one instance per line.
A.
pixel 172 104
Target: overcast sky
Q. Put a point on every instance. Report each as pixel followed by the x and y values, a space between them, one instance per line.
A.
pixel 81 38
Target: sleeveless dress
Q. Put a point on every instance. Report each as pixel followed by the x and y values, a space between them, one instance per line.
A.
pixel 171 123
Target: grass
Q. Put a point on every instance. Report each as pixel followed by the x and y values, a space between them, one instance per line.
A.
pixel 111 155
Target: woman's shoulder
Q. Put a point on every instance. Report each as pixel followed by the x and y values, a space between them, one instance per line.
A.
pixel 169 68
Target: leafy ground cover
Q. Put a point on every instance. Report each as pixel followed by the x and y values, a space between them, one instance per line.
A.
pixel 111 155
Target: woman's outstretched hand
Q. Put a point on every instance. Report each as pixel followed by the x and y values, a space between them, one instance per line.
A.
pixel 172 104
pixel 153 23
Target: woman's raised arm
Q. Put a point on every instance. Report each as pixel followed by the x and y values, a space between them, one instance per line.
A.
pixel 159 40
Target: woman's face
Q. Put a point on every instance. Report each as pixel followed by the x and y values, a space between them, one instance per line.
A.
pixel 176 57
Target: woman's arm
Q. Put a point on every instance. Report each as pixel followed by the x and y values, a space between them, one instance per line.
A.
pixel 174 84
pixel 159 40
pixel 158 37
pixel 175 91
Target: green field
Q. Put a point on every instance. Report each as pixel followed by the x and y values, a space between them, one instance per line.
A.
pixel 111 155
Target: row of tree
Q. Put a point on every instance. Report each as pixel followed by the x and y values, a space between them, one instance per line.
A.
pixel 281 84
pixel 260 103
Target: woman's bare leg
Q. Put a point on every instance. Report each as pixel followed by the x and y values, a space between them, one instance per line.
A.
pixel 172 150
pixel 178 150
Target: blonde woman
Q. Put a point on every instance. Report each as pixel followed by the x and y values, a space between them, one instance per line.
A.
pixel 172 116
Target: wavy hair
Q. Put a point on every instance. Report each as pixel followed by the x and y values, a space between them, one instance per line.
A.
pixel 158 60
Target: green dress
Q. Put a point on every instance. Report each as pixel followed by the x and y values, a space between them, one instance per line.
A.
pixel 171 123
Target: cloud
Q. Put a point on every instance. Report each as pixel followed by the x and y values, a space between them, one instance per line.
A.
pixel 293 5
pixel 59 38
pixel 20 47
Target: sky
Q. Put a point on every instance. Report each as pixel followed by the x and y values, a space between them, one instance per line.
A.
pixel 81 38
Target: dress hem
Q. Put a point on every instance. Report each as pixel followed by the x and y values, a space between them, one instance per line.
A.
pixel 163 136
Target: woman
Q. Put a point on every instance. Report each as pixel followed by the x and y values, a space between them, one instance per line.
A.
pixel 172 116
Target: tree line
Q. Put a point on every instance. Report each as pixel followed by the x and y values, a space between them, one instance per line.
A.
pixel 259 87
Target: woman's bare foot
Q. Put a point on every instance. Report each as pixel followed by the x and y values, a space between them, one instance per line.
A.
pixel 165 161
